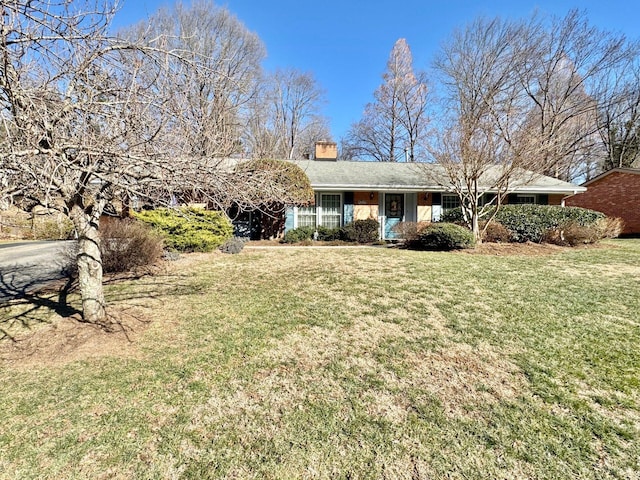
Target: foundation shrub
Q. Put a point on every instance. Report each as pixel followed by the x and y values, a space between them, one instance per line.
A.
pixel 362 231
pixel 495 232
pixel 127 244
pixel 530 223
pixel 409 231
pixel 444 236
pixel 299 234
pixel 189 229
pixel 326 234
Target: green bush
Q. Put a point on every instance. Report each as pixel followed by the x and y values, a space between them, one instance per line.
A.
pixel 453 216
pixel 327 234
pixel 189 229
pixel 126 244
pixel 299 234
pixel 362 231
pixel 530 223
pixel 51 228
pixel 444 236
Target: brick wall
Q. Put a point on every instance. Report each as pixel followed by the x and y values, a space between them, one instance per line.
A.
pixel 616 195
pixel 556 199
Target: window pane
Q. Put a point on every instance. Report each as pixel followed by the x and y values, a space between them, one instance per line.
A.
pixel 331 212
pixel 526 199
pixel 307 216
pixel 450 202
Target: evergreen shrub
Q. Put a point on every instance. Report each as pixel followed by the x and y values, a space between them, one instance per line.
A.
pixel 530 223
pixel 362 231
pixel 444 236
pixel 189 229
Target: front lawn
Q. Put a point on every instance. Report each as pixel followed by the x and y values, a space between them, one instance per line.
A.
pixel 338 363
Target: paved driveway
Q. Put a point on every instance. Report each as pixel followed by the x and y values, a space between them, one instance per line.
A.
pixel 27 266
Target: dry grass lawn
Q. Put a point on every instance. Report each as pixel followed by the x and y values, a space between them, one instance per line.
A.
pixel 337 363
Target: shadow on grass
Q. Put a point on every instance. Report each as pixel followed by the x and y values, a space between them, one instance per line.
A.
pixel 25 302
pixel 28 296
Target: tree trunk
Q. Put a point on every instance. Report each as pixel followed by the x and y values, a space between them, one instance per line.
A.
pixel 89 264
pixel 475 227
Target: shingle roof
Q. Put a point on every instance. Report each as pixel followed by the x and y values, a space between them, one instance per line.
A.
pixel 391 176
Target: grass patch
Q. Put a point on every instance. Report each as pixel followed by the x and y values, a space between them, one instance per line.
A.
pixel 346 363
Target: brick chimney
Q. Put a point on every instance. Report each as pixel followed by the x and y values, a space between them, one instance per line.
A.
pixel 326 151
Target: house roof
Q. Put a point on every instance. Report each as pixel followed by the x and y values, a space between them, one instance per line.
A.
pixel 634 171
pixel 399 176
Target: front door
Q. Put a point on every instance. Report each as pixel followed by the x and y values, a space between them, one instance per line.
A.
pixel 394 213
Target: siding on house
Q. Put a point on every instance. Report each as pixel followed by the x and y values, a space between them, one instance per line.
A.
pixel 616 194
pixel 365 207
pixel 424 207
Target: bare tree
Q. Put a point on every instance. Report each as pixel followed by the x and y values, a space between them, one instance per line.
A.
pixel 619 121
pixel 568 78
pixel 286 119
pixel 523 98
pixel 89 119
pixel 479 144
pixel 215 97
pixel 393 126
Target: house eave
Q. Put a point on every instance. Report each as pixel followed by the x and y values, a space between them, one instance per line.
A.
pixel 431 188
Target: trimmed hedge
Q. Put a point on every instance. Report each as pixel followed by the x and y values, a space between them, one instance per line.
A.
pixel 360 231
pixel 444 236
pixel 189 229
pixel 299 234
pixel 530 223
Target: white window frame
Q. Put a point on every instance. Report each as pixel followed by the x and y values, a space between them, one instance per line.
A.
pixel 318 209
pixel 340 208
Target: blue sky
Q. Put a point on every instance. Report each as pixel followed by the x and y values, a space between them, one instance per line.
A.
pixel 346 43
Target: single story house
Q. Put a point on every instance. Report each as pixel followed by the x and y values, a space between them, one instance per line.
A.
pixel 615 193
pixel 395 192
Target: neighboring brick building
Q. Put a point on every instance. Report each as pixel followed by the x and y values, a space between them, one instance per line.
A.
pixel 615 193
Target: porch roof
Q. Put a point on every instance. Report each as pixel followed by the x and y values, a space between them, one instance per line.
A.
pixel 409 177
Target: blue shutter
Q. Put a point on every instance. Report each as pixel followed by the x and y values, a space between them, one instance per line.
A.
pixel 288 219
pixel 348 208
pixel 436 206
